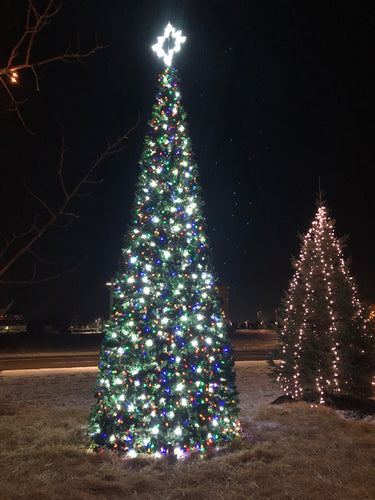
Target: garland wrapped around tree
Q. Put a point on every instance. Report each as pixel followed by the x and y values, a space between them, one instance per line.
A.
pixel 166 382
pixel 326 349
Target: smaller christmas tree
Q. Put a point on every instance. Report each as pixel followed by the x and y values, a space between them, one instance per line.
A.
pixel 326 349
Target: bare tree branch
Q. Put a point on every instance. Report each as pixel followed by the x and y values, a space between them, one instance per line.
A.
pixel 15 105
pixel 21 60
pixel 43 280
pixel 94 182
pixel 13 251
pixel 70 214
pixel 84 195
pixel 14 237
pixel 62 225
pixel 61 162
pixel 37 198
pixel 39 258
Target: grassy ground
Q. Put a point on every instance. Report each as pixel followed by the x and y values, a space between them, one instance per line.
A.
pixel 289 451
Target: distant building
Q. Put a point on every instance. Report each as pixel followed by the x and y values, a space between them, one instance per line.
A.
pixel 12 322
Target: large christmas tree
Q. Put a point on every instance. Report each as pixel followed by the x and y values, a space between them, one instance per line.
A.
pixel 326 349
pixel 166 382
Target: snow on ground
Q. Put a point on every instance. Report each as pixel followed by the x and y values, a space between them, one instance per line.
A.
pixel 51 387
pixel 74 387
pixel 254 384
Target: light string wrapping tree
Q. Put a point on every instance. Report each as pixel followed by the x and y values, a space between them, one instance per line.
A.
pixel 166 382
pixel 326 349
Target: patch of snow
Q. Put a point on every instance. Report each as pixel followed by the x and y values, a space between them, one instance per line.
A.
pixel 74 387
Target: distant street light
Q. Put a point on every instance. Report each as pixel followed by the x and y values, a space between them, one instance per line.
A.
pixel 110 285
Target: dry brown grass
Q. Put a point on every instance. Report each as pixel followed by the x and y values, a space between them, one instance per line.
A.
pixel 289 452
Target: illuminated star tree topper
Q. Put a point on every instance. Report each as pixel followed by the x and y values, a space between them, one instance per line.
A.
pixel 169 33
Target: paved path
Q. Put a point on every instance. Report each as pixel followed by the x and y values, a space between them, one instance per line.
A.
pixel 69 360
pixel 29 361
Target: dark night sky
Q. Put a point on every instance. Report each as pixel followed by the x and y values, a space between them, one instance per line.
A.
pixel 278 94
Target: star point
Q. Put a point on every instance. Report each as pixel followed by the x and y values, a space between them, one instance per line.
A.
pixel 178 41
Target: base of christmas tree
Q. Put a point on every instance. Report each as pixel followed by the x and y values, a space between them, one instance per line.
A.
pixel 357 408
pixel 174 454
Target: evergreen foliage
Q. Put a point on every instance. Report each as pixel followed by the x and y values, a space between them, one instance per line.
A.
pixel 166 381
pixel 326 348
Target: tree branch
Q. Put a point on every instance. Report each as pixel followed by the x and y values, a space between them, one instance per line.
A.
pixel 20 58
pixel 38 257
pixel 14 237
pixel 37 198
pixel 43 280
pixel 33 233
